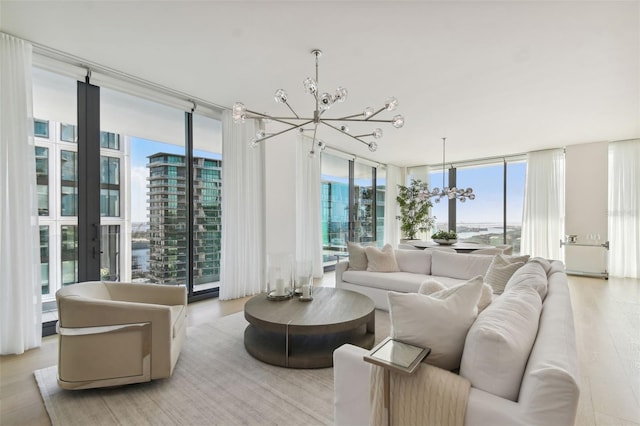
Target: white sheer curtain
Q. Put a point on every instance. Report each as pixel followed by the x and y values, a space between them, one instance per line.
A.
pixel 20 292
pixel 242 266
pixel 391 224
pixel 543 215
pixel 308 208
pixel 624 208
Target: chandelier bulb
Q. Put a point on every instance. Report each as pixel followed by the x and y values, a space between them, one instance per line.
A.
pixel 341 94
pixel 398 121
pixel 326 100
pixel 239 112
pixel 322 145
pixel 280 96
pixel 373 146
pixel 344 128
pixel 377 133
pixel 368 112
pixel 260 134
pixel 312 154
pixel 254 143
pixel 391 104
pixel 310 86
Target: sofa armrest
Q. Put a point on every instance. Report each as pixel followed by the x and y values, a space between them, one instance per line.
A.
pixel 484 408
pixel 148 293
pixel 351 375
pixel 341 267
pixel 75 311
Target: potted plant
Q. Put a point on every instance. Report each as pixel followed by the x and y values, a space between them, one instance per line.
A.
pixel 414 202
pixel 445 237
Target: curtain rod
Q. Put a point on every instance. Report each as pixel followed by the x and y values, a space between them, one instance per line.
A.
pixel 69 59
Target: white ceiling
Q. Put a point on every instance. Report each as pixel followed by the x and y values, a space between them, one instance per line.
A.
pixel 495 78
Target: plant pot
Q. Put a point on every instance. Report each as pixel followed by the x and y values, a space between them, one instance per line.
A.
pixel 445 242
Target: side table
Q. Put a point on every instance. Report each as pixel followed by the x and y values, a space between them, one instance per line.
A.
pixel 396 356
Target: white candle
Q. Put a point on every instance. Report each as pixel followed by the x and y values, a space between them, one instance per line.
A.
pixel 279 287
pixel 306 293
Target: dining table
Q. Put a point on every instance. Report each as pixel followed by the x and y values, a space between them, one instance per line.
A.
pixel 460 247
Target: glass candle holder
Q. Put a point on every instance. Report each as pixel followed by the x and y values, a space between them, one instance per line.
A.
pixel 280 278
pixel 302 275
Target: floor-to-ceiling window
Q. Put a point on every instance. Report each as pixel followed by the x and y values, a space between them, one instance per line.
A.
pixel 207 202
pixel 148 193
pixel 495 216
pixel 335 206
pixel 55 112
pixel 363 208
pixel 352 199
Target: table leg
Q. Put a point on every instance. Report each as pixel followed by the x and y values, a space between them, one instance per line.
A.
pixel 387 397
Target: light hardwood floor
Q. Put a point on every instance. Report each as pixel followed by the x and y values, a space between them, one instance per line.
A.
pixel 607 319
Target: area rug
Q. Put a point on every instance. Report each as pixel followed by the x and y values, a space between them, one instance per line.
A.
pixel 216 382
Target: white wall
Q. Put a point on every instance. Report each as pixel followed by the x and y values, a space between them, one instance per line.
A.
pixel 280 203
pixel 586 205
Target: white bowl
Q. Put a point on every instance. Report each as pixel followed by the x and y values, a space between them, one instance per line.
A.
pixel 446 242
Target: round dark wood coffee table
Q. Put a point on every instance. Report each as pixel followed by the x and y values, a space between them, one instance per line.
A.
pixel 297 334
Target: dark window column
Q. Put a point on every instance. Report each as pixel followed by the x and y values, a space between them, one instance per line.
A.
pixel 453 225
pixel 88 182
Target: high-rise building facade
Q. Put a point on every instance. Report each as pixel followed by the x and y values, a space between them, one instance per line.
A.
pixel 168 239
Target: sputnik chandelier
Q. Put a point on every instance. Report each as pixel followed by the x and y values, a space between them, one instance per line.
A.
pixel 450 193
pixel 323 102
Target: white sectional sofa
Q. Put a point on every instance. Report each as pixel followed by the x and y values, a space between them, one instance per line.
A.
pixel 546 386
pixel 415 266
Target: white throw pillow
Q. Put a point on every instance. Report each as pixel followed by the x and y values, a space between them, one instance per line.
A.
pixel 414 261
pixel 381 260
pixel 498 344
pixel 499 272
pixel 459 265
pixel 357 257
pixel 430 286
pixel 485 298
pixel 437 289
pixel 439 324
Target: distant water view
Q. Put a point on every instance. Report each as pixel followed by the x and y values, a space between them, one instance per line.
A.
pixel 487 233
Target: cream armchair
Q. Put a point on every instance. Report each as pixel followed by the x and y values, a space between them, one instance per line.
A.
pixel 113 334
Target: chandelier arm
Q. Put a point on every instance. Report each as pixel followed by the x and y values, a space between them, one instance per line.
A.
pixel 284 131
pixel 345 133
pixel 357 120
pixel 278 119
pixel 349 116
pixel 289 106
pixel 375 113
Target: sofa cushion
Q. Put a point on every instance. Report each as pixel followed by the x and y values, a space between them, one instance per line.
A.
pixel 498 344
pixel 414 261
pixel 381 260
pixel 546 265
pixel 357 257
pixel 437 323
pixel 437 289
pixel 499 272
pixel 533 275
pixel 459 265
pixel 396 281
